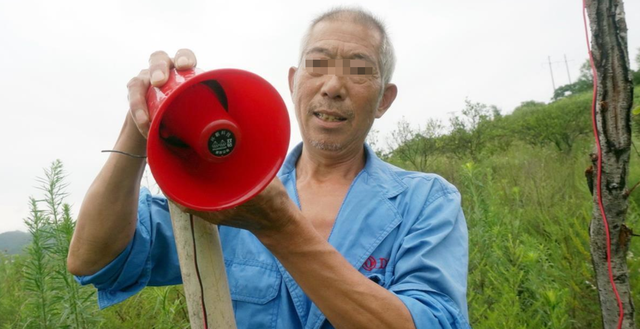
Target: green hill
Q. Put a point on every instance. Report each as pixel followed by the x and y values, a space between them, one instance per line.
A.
pixel 528 207
pixel 14 242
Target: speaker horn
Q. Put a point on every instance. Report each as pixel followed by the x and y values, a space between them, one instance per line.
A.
pixel 217 138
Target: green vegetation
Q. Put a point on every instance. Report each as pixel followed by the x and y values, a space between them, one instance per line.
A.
pixel 36 291
pixel 528 209
pixel 525 197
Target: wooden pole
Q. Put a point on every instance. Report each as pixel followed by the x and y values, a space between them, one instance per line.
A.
pixel 613 121
pixel 203 273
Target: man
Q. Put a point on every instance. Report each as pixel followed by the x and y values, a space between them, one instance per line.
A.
pixel 340 239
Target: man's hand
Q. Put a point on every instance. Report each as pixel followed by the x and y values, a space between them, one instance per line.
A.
pixel 156 75
pixel 269 212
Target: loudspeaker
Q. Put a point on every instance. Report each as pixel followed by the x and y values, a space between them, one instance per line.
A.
pixel 216 138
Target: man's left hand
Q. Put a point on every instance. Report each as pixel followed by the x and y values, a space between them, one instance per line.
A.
pixel 268 212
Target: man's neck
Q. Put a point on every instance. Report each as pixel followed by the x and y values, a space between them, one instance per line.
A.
pixel 323 166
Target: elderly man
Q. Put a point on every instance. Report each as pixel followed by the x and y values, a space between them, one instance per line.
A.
pixel 340 239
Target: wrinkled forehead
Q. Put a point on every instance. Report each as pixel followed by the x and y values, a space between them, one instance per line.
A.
pixel 344 38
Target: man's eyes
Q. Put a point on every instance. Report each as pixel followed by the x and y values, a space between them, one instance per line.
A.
pixel 318 62
pixel 361 70
pixel 338 67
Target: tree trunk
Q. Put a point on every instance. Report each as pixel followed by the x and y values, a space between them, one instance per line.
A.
pixel 613 109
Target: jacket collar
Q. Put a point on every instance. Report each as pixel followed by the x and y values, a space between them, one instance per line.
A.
pixel 381 173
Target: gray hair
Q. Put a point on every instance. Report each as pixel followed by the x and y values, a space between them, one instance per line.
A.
pixel 386 55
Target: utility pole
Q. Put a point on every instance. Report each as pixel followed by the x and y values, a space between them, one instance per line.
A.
pixel 567 66
pixel 553 83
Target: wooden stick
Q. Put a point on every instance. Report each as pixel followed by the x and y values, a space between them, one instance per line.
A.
pixel 204 277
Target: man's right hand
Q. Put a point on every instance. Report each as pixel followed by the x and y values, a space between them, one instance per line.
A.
pixel 156 75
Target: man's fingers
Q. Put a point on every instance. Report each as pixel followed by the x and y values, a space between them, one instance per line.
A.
pixel 157 75
pixel 159 65
pixel 185 59
pixel 138 87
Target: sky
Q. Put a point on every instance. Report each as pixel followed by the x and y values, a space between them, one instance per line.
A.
pixel 66 65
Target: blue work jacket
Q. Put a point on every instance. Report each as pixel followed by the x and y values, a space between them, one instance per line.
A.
pixel 403 230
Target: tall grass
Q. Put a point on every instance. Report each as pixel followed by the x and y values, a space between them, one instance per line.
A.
pixel 37 281
pixel 528 212
pixel 11 292
pixel 153 307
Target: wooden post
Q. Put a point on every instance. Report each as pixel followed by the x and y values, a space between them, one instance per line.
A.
pixel 613 109
pixel 203 272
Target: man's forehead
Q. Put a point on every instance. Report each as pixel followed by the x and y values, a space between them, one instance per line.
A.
pixel 353 39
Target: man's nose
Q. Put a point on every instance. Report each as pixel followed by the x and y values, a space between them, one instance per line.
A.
pixel 334 87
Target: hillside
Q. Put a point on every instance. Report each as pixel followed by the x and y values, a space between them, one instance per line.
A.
pixel 527 205
pixel 13 242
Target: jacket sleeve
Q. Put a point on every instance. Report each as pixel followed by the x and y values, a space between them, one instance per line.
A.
pixel 149 259
pixel 430 275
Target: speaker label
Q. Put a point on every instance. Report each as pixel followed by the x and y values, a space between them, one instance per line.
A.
pixel 222 142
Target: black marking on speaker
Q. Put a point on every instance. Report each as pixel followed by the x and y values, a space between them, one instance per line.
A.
pixel 175 142
pixel 170 139
pixel 215 86
pixel 222 142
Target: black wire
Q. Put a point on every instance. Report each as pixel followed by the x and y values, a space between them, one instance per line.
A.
pixel 125 153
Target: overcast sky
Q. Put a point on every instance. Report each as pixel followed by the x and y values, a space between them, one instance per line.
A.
pixel 66 65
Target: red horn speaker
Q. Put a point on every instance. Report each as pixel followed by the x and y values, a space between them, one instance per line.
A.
pixel 217 138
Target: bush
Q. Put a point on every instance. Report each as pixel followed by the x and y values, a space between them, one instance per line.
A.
pixel 560 123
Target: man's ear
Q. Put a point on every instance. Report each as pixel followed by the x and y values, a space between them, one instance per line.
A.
pixel 292 76
pixel 389 95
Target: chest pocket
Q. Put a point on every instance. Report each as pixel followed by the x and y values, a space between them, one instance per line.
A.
pixel 254 287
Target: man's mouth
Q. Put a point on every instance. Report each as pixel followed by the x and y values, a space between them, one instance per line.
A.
pixel 328 118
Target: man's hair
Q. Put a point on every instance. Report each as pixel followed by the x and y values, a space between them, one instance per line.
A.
pixel 386 55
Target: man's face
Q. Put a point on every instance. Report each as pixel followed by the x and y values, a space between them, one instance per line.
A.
pixel 337 89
